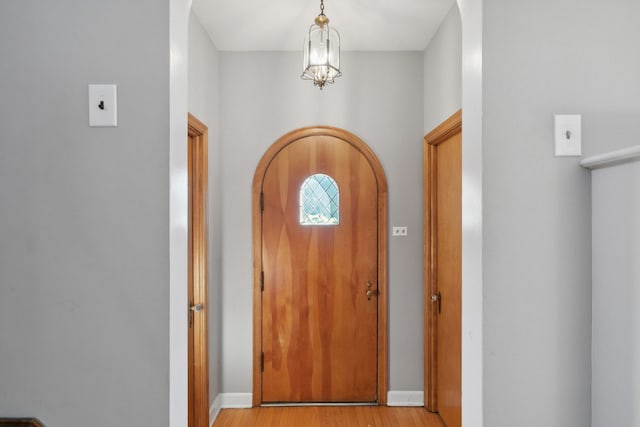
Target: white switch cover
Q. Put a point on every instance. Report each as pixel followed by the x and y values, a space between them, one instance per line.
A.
pixel 103 106
pixel 399 231
pixel 568 134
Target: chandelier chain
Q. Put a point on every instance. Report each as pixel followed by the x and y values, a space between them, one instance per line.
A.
pixel 321 7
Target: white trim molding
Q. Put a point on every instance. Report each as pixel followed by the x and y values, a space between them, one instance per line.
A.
pixel 244 401
pixel 405 398
pixel 472 220
pixel 231 401
pixel 612 158
pixel 213 412
pixel 234 400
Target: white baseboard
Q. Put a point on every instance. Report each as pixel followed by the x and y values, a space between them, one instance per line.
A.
pixel 214 410
pixel 245 400
pixel 234 400
pixel 229 400
pixel 405 398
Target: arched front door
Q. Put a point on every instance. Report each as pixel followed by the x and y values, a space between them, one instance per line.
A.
pixel 320 269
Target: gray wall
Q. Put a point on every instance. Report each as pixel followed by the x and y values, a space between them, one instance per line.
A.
pixel 84 278
pixel 616 295
pixel 379 98
pixel 204 103
pixel 542 58
pixel 443 71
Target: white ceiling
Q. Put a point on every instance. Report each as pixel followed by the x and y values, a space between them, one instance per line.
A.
pixel 371 25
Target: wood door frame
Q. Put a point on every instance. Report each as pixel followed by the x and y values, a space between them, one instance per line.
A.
pixel 450 127
pixel 197 264
pixel 381 179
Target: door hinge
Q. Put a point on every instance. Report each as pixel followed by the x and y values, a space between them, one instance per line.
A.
pixel 261 202
pixel 262 362
pixel 262 281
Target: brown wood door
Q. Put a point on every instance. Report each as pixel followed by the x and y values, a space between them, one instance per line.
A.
pixel 443 238
pixel 319 327
pixel 198 275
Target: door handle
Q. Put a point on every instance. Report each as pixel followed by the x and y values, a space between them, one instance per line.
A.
pixel 437 298
pixel 371 293
pixel 192 310
pixel 196 308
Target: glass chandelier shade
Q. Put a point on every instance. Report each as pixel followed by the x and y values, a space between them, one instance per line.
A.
pixel 321 52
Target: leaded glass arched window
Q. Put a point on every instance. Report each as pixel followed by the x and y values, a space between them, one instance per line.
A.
pixel 319 201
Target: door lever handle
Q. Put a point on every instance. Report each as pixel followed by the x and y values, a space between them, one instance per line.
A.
pixel 196 308
pixel 371 293
pixel 192 310
pixel 437 298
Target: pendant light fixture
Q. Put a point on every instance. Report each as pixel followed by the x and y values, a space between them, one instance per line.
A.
pixel 321 52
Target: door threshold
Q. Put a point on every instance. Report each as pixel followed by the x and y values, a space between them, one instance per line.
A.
pixel 288 404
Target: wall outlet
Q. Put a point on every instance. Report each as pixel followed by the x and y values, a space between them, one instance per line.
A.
pixel 399 231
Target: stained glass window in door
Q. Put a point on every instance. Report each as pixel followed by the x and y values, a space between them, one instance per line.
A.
pixel 319 201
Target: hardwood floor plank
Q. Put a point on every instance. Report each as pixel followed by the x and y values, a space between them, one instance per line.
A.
pixel 328 416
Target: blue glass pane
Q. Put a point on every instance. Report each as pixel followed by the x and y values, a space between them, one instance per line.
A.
pixel 319 201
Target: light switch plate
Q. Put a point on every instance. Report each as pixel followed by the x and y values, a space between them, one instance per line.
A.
pixel 568 134
pixel 103 106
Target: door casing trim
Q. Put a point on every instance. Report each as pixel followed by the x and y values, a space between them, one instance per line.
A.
pixel 381 179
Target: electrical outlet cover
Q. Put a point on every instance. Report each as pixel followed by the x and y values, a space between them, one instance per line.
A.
pixel 399 231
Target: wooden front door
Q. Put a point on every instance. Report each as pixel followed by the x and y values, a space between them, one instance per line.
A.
pixel 443 269
pixel 320 273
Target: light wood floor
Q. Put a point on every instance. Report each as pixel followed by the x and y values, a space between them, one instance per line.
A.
pixel 328 416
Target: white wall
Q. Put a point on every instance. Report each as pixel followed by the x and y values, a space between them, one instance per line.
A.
pixel 616 295
pixel 542 58
pixel 443 71
pixel 379 98
pixel 472 214
pixel 178 210
pixel 204 103
pixel 84 276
